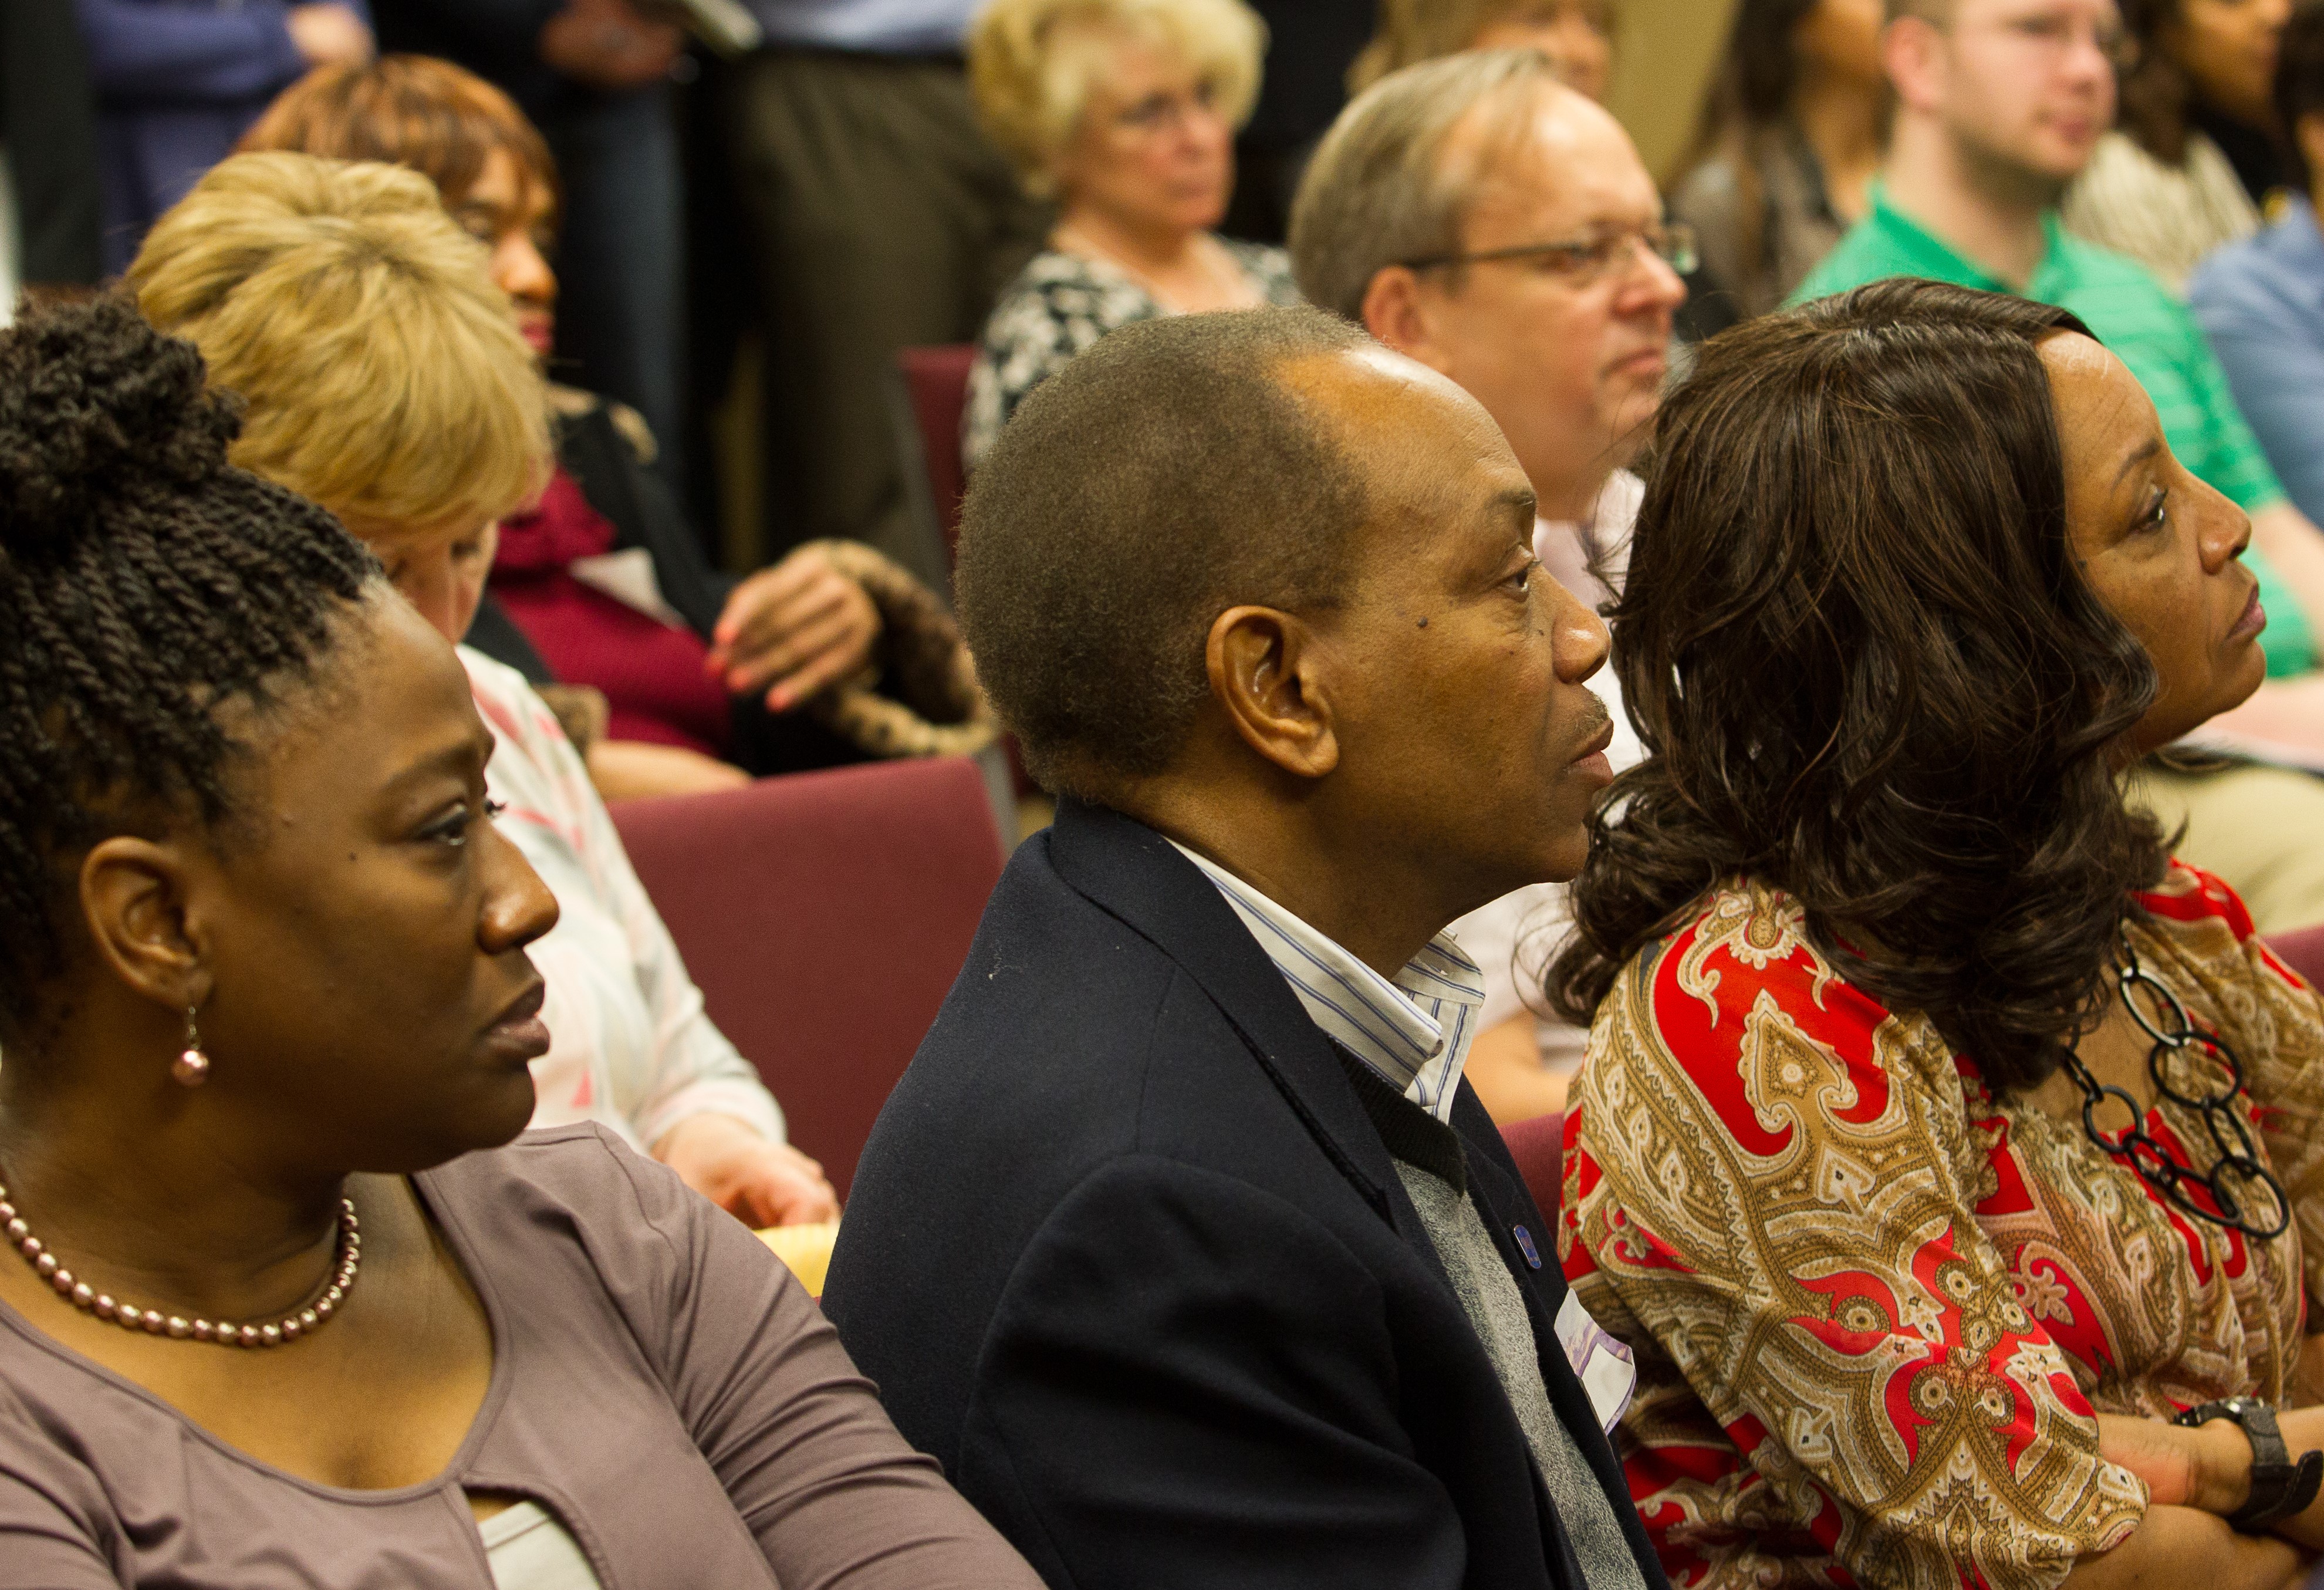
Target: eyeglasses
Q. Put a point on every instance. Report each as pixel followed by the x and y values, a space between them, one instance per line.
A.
pixel 1586 260
pixel 2055 34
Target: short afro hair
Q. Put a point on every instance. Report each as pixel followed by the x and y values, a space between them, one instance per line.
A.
pixel 1165 475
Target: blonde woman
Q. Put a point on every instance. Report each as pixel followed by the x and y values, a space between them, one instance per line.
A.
pixel 1124 112
pixel 1578 35
pixel 385 378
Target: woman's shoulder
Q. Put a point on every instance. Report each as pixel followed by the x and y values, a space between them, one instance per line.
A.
pixel 1742 977
pixel 534 770
pixel 580 1186
pixel 1745 939
pixel 584 1167
pixel 1270 267
pixel 2190 901
pixel 1059 289
pixel 507 699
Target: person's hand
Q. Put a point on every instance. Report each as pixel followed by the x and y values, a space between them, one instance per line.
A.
pixel 2207 1467
pixel 758 1182
pixel 606 44
pixel 328 35
pixel 793 629
pixel 637 770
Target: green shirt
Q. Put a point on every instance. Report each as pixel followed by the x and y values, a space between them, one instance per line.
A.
pixel 2149 330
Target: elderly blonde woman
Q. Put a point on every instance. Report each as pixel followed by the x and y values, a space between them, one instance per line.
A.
pixel 1578 35
pixel 385 377
pixel 1123 112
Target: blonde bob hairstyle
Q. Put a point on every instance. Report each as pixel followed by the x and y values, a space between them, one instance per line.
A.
pixel 383 373
pixel 1032 63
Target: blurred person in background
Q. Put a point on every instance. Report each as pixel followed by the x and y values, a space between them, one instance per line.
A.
pixel 383 375
pixel 2260 301
pixel 1999 106
pixel 1478 215
pixel 49 228
pixel 178 81
pixel 2197 157
pixel 603 585
pixel 1120 113
pixel 594 77
pixel 1311 44
pixel 1785 145
pixel 879 216
pixel 1578 35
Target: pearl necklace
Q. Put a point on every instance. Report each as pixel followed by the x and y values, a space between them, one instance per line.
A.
pixel 300 1322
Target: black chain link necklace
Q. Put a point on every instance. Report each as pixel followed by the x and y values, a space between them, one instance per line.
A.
pixel 2238 1172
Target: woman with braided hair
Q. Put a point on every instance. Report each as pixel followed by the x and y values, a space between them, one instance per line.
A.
pixel 383 376
pixel 280 1302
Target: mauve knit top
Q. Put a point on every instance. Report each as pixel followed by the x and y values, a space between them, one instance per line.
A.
pixel 661 1385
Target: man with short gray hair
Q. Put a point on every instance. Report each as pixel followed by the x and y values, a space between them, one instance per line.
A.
pixel 1478 215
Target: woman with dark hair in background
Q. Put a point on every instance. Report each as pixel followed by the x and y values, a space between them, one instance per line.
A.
pixel 1786 146
pixel 2260 301
pixel 281 1304
pixel 2197 156
pixel 1942 1137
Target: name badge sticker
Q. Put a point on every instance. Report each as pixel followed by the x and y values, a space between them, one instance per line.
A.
pixel 1604 1366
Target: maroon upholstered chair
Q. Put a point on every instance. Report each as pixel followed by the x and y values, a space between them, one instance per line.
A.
pixel 825 916
pixel 2302 949
pixel 936 381
pixel 1538 1146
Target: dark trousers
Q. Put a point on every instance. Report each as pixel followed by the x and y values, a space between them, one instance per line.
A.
pixel 621 258
pixel 879 217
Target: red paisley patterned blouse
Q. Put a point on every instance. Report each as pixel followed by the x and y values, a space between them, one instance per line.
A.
pixel 1875 1307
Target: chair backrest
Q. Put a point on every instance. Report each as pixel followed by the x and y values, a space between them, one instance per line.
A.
pixel 2302 949
pixel 825 916
pixel 1538 1146
pixel 938 381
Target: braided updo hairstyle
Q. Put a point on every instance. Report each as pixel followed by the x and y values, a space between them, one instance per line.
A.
pixel 143 585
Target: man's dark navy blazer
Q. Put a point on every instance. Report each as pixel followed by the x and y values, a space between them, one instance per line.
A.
pixel 1126 1253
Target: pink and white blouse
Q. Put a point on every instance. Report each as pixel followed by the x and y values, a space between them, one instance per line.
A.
pixel 631 1046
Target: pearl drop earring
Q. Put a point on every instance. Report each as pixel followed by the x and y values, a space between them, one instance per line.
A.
pixel 191 1068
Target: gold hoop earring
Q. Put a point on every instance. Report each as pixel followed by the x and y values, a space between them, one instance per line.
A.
pixel 191 1068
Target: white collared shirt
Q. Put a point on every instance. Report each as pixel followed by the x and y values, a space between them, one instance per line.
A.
pixel 1414 1032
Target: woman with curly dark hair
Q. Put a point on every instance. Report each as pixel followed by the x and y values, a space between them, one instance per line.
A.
pixel 1940 1136
pixel 281 1304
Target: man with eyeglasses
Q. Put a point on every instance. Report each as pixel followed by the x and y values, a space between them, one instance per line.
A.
pixel 1476 214
pixel 1999 105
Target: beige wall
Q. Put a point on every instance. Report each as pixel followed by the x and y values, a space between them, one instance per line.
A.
pixel 1666 51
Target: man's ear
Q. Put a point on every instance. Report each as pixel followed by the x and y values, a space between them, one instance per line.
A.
pixel 1265 674
pixel 1913 52
pixel 1397 314
pixel 133 902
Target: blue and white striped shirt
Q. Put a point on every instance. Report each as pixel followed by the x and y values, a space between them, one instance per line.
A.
pixel 1414 1032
